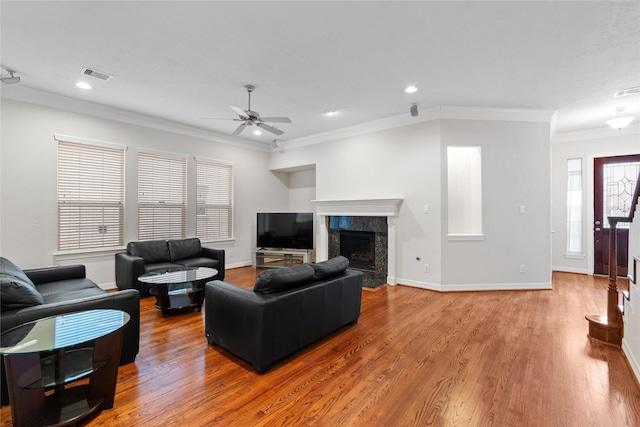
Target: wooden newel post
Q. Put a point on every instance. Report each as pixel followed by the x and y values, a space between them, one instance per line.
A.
pixel 608 329
pixel 612 293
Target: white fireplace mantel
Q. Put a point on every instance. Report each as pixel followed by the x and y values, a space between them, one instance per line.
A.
pixel 358 207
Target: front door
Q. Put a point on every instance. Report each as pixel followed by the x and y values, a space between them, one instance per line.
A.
pixel 614 184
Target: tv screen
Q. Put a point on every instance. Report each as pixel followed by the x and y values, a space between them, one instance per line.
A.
pixel 285 230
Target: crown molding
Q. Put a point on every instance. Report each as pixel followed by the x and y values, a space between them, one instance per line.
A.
pixel 603 132
pixel 34 96
pixel 47 99
pixel 426 115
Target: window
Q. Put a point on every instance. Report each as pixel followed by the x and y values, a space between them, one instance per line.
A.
pixel 162 195
pixel 464 192
pixel 618 188
pixel 574 206
pixel 214 218
pixel 90 194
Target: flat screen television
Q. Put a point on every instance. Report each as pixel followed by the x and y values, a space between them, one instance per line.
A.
pixel 285 230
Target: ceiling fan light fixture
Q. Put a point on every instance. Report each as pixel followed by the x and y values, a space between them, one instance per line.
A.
pixel 620 120
pixel 257 132
pixel 330 113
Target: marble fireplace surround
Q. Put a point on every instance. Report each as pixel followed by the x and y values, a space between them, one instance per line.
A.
pixel 389 208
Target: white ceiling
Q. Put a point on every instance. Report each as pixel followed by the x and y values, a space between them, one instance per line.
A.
pixel 181 61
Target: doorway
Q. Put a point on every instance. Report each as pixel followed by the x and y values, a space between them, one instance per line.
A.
pixel 613 187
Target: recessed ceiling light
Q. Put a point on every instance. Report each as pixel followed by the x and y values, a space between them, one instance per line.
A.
pixel 411 89
pixel 83 85
pixel 330 113
pixel 257 132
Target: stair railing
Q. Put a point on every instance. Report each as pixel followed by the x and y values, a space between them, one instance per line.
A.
pixel 609 328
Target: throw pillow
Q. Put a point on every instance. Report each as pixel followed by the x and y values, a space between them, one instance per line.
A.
pixel 330 268
pixel 270 281
pixel 16 290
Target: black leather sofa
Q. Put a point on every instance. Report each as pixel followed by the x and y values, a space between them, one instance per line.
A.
pixel 155 255
pixel 287 310
pixel 37 293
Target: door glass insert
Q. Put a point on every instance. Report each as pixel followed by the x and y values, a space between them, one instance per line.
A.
pixel 619 183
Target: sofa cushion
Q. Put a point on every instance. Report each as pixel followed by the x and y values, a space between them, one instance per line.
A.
pixel 16 290
pixel 151 250
pixel 184 249
pixel 270 281
pixel 161 267
pixel 199 262
pixel 330 268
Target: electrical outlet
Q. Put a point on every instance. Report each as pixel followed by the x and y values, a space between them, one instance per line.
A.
pixel 427 268
pixel 521 268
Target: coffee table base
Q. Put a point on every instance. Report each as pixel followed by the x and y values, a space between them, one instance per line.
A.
pixel 177 304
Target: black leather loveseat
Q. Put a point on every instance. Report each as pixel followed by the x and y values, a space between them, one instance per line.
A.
pixel 287 310
pixel 42 292
pixel 155 255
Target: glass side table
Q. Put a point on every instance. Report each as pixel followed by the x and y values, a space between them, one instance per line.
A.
pixel 55 352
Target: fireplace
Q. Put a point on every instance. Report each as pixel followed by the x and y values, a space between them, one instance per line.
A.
pixel 363 240
pixel 373 215
pixel 359 248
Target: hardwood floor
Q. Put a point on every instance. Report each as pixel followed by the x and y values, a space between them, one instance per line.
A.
pixel 415 358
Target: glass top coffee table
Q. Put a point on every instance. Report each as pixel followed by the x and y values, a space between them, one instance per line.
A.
pixel 178 290
pixel 55 353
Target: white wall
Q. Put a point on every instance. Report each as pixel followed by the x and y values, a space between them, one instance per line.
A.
pixel 409 163
pixel 515 173
pixel 302 189
pixel 587 146
pixel 28 216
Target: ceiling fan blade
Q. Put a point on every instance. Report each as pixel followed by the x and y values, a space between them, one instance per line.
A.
pixel 276 119
pixel 270 128
pixel 215 118
pixel 240 112
pixel 239 129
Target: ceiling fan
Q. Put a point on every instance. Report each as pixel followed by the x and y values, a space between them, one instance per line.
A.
pixel 250 118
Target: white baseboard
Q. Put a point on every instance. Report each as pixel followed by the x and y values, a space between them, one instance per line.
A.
pixel 633 362
pixel 570 270
pixel 475 287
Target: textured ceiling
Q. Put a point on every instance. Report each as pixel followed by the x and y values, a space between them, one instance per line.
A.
pixel 182 61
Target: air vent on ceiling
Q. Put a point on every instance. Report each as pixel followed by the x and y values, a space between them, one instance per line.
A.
pixel 97 74
pixel 625 92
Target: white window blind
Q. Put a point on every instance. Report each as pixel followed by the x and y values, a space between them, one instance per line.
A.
pixel 574 206
pixel 90 196
pixel 162 196
pixel 214 218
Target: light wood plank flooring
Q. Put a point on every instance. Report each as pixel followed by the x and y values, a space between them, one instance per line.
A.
pixel 415 358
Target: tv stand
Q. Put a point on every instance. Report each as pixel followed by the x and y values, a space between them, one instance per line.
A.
pixel 279 258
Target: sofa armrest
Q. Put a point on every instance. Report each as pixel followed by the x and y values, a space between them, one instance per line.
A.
pixel 128 269
pixel 217 254
pixel 236 319
pixel 56 273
